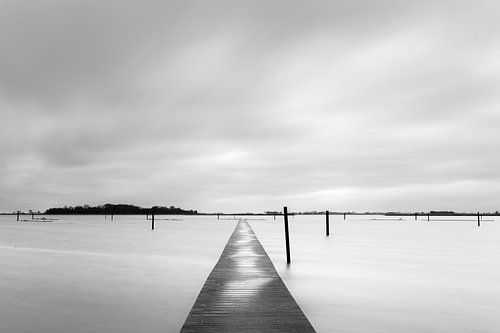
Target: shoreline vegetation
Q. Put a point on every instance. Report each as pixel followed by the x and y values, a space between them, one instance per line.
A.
pixel 119 209
pixel 127 209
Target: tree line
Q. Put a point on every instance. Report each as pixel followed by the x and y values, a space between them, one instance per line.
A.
pixel 119 209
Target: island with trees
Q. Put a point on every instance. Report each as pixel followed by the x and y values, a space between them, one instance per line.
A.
pixel 121 209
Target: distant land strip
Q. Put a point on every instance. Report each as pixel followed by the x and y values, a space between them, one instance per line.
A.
pixel 128 209
pixel 123 209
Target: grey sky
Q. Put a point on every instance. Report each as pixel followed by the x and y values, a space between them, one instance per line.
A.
pixel 250 105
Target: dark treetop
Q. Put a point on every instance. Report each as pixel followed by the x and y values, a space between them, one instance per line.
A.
pixel 119 209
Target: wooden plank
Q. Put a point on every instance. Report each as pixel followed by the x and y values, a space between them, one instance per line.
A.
pixel 244 293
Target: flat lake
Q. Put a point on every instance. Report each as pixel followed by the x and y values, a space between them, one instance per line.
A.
pixel 372 274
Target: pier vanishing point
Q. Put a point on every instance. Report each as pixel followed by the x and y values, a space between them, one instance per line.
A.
pixel 244 293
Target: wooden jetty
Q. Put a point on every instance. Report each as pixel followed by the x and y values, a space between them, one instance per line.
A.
pixel 244 293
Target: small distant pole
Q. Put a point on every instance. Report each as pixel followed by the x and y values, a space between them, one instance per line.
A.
pixel 428 217
pixel 217 216
pixel 344 216
pixel 287 240
pixel 152 221
pixel 478 220
pixel 274 216
pixel 17 216
pixel 112 216
pixel 32 216
pixel 416 216
pixel 327 218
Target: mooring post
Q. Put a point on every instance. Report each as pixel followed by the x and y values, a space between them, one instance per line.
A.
pixel 152 221
pixel 327 219
pixel 415 216
pixel 217 216
pixel 274 216
pixel 344 216
pixel 17 216
pixel 478 220
pixel 32 216
pixel 287 240
pixel 428 217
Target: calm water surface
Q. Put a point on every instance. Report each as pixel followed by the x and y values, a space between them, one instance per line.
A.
pixel 378 275
pixel 88 274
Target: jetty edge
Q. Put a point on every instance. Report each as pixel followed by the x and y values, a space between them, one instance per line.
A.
pixel 244 293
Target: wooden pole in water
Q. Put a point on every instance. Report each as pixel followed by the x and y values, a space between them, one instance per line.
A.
pixel 327 219
pixel 274 216
pixel 428 217
pixel 17 216
pixel 217 216
pixel 478 220
pixel 415 216
pixel 344 216
pixel 287 240
pixel 112 216
pixel 152 221
pixel 32 216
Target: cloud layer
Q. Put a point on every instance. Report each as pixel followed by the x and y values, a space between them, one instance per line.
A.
pixel 250 105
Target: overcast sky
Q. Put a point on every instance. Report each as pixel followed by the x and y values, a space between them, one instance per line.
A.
pixel 250 105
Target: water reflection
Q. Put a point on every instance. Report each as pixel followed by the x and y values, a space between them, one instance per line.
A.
pixel 247 277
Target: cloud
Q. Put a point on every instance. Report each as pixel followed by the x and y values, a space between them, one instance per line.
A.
pixel 222 105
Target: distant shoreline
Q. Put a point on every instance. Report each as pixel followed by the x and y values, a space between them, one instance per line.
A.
pixel 127 209
pixel 420 214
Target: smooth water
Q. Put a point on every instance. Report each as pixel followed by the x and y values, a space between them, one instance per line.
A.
pixel 380 274
pixel 373 274
pixel 88 274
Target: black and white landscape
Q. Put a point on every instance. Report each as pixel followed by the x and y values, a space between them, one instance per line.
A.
pixel 196 107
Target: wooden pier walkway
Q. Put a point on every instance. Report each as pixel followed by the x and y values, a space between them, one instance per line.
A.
pixel 244 293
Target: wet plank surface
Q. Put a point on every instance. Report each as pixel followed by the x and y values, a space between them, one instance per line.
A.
pixel 244 293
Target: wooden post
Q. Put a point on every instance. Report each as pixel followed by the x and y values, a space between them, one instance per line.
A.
pixel 105 216
pixel 344 216
pixel 217 216
pixel 287 239
pixel 112 216
pixel 17 216
pixel 147 217
pixel 428 217
pixel 415 216
pixel 274 216
pixel 327 216
pixel 32 216
pixel 152 221
pixel 478 220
